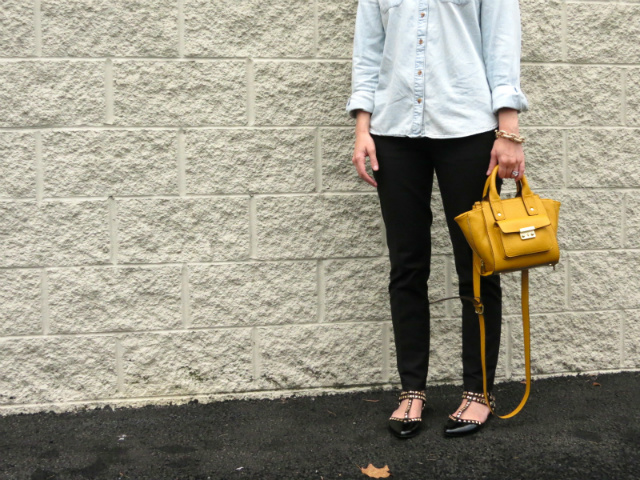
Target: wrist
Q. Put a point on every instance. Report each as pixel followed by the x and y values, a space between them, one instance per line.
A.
pixel 511 136
pixel 363 119
pixel 508 120
pixel 509 128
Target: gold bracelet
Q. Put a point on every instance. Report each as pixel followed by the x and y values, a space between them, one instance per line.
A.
pixel 509 136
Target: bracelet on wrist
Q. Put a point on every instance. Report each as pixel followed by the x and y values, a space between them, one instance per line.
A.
pixel 509 136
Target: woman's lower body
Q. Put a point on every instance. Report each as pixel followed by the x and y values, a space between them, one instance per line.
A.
pixel 405 176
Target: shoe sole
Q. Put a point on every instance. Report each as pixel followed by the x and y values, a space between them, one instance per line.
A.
pixel 411 435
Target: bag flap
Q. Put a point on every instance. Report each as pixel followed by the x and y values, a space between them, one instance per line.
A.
pixel 513 225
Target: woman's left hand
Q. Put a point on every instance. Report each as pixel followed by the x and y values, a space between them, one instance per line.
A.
pixel 509 156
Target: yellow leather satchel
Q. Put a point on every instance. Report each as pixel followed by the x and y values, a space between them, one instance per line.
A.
pixel 509 235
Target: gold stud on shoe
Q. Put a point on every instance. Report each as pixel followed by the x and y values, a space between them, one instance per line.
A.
pixel 405 427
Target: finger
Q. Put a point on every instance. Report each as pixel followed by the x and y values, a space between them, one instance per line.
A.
pixel 510 166
pixel 365 176
pixel 520 169
pixel 370 180
pixel 518 176
pixel 492 163
pixel 503 171
pixel 359 163
pixel 361 169
pixel 374 160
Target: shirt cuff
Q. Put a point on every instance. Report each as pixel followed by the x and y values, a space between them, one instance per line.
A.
pixel 508 96
pixel 360 100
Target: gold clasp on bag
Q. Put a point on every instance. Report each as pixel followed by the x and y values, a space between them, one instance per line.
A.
pixel 527 232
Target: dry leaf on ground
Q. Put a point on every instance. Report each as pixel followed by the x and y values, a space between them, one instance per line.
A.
pixel 374 472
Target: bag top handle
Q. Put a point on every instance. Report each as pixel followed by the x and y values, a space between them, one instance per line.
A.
pixel 524 191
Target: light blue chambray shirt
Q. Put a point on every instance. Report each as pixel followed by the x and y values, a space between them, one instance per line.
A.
pixel 436 68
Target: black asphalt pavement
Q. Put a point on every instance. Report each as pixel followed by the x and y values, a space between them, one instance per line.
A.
pixel 579 427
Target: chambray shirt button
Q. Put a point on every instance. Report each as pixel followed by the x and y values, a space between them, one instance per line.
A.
pixel 419 100
pixel 420 41
pixel 419 72
pixel 422 14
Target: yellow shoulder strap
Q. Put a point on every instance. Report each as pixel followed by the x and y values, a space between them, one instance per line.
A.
pixel 525 329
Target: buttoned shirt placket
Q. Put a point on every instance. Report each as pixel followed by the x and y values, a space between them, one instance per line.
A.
pixel 421 43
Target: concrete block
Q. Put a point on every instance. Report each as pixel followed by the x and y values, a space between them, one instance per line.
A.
pixel 633 97
pixel 250 160
pixel 604 226
pixel 569 342
pixel 357 290
pixel 44 94
pixel 338 171
pixel 299 220
pixel 109 162
pixel 106 299
pixel 20 302
pixel 541 24
pixel 572 95
pixel 301 92
pixel 547 289
pixel 17 32
pixel 632 219
pixel 336 26
pixel 318 226
pixel 445 350
pixel 249 294
pixel 544 166
pixel 109 28
pixel 181 93
pixel 591 154
pixel 600 33
pixel 183 229
pixel 183 363
pixel 630 336
pixel 54 233
pixel 321 355
pixel 604 281
pixel 18 165
pixel 251 28
pixel 57 369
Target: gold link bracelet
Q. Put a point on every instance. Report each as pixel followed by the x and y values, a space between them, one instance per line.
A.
pixel 509 136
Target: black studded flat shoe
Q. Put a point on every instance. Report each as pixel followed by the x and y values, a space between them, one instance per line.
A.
pixel 405 427
pixel 457 427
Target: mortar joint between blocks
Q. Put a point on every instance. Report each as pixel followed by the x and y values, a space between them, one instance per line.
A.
pixel 37 27
pixel 321 289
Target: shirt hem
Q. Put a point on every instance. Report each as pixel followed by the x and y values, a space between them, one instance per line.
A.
pixel 436 135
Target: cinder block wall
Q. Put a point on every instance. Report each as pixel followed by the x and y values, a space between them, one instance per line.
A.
pixel 180 218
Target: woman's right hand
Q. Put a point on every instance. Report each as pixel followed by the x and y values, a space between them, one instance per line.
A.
pixel 364 147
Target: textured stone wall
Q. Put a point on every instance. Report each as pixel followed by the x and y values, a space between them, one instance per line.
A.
pixel 180 218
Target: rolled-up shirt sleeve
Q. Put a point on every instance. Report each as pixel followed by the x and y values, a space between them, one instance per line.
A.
pixel 501 48
pixel 368 44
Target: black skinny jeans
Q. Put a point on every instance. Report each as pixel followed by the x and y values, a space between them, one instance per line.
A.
pixel 405 180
